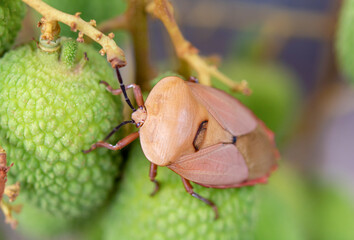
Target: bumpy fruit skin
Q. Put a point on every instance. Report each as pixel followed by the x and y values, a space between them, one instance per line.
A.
pixel 172 213
pixel 11 15
pixel 48 115
pixel 345 39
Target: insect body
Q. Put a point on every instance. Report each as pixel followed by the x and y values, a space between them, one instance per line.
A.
pixel 202 134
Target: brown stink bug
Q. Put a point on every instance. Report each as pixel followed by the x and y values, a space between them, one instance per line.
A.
pixel 199 132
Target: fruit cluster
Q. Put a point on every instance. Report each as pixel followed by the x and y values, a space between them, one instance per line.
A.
pixel 52 107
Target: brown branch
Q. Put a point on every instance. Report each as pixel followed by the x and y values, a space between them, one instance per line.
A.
pixel 11 191
pixel 134 20
pixel 3 171
pixel 138 28
pixel 115 55
pixel 163 10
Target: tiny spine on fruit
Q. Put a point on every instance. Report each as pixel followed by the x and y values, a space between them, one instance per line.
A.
pixel 69 52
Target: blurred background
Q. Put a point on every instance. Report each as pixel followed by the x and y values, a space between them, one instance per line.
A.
pixel 285 49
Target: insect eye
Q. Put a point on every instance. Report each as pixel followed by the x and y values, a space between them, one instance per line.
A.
pixel 199 136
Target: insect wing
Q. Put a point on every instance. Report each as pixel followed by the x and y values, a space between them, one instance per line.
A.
pixel 228 111
pixel 216 166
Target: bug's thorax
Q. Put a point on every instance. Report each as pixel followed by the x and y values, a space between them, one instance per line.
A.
pixel 139 116
pixel 173 117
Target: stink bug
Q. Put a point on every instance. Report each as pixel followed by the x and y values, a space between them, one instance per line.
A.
pixel 199 132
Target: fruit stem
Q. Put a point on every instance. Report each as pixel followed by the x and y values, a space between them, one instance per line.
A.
pixel 50 29
pixel 163 10
pixel 138 28
pixel 115 55
pixel 134 20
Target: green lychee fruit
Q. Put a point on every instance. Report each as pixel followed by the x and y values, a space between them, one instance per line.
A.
pixel 275 97
pixel 333 209
pixel 345 38
pixel 172 213
pixel 38 224
pixel 284 210
pixel 11 15
pixel 51 111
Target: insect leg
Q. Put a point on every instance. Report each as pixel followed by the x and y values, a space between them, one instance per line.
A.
pixel 137 94
pixel 136 89
pixel 116 129
pixel 152 175
pixel 193 79
pixel 110 89
pixel 189 189
pixel 121 144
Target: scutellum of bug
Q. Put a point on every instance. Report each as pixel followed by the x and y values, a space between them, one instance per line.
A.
pixel 10 191
pixel 220 143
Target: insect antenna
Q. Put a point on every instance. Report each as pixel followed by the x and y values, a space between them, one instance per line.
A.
pixel 116 129
pixel 121 84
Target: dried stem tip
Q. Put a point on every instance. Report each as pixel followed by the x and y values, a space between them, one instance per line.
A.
pixel 80 38
pixel 111 35
pixel 93 23
pixel 50 29
pixel 12 191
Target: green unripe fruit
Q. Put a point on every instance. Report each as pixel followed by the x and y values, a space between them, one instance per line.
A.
pixel 345 39
pixel 275 94
pixel 48 115
pixel 11 15
pixel 293 207
pixel 284 210
pixel 172 213
pixel 35 223
pixel 333 209
pixel 39 224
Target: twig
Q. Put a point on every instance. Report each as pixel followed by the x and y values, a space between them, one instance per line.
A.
pixel 11 191
pixel 115 55
pixel 134 20
pixel 3 171
pixel 138 28
pixel 163 10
